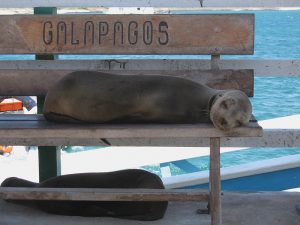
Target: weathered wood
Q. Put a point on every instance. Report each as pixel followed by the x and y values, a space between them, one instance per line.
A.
pixel 271 138
pixel 281 67
pixel 281 137
pixel 215 182
pixel 274 138
pixel 102 194
pixel 37 82
pixel 284 138
pixel 215 59
pixel 149 3
pixel 127 34
pixel 250 3
pixel 34 130
pixel 49 157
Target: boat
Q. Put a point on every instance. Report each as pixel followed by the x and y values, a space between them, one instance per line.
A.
pixel 277 174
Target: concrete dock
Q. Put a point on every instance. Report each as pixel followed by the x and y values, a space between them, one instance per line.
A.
pixel 260 208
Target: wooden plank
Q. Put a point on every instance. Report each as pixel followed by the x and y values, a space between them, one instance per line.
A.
pixel 274 138
pixel 265 67
pixel 214 64
pixel 251 3
pixel 215 182
pixel 37 82
pixel 40 132
pixel 148 3
pixel 284 138
pixel 96 3
pixel 261 67
pixel 127 34
pixel 102 194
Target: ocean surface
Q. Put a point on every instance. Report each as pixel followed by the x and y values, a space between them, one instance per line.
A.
pixel 277 36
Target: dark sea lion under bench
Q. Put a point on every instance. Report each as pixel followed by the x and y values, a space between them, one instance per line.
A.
pixel 95 97
pixel 132 178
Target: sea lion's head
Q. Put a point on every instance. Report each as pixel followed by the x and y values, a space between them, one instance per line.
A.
pixel 17 182
pixel 230 109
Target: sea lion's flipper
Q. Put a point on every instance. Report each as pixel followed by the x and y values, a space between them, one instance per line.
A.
pixel 144 211
pixel 97 209
pixel 55 117
pixel 145 217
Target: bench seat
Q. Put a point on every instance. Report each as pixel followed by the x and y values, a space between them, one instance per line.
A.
pixel 30 129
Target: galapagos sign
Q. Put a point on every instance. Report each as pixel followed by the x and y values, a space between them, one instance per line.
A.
pixel 105 33
pixel 127 34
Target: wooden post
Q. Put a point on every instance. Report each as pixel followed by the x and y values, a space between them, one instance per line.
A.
pixel 215 182
pixel 49 156
pixel 215 62
pixel 214 168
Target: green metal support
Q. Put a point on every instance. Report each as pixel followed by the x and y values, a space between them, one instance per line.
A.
pixel 45 10
pixel 49 156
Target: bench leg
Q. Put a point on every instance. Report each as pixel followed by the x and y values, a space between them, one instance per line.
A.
pixel 49 162
pixel 49 156
pixel 215 182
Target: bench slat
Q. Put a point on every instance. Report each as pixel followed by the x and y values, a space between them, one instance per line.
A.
pixel 34 130
pixel 182 4
pixel 271 138
pixel 261 67
pixel 127 34
pixel 37 82
pixel 102 194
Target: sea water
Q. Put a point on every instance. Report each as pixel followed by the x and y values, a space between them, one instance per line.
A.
pixel 277 36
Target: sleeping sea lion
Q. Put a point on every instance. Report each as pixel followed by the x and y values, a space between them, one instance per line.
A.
pixel 95 97
pixel 132 178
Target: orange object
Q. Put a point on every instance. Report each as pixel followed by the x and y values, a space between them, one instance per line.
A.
pixel 6 149
pixel 10 105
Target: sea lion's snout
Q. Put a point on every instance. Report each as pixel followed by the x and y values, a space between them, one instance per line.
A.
pixel 231 109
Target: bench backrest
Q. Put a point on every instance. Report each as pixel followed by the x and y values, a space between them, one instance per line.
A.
pixel 211 34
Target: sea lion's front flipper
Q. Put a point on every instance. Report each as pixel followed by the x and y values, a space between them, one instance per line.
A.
pixel 60 118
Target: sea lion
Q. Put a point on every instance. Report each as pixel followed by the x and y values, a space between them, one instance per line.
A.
pixel 95 97
pixel 132 178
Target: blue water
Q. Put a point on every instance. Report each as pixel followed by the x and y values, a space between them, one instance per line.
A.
pixel 277 36
pixel 276 97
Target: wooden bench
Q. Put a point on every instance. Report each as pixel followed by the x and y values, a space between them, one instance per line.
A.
pixel 213 34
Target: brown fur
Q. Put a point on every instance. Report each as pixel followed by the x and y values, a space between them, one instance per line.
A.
pixel 95 97
pixel 119 179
